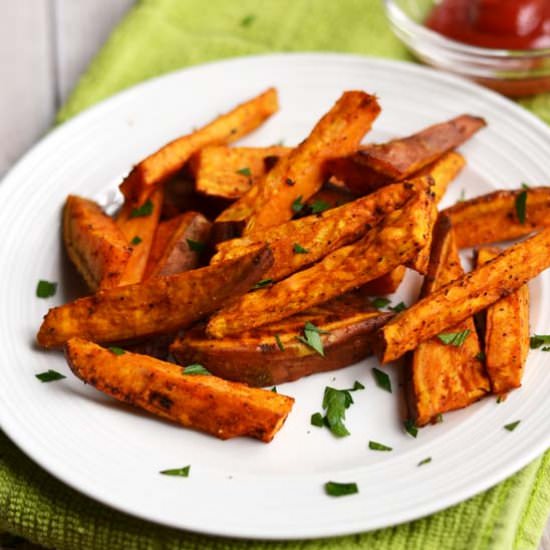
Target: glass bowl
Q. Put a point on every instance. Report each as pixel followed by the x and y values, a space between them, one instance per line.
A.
pixel 514 73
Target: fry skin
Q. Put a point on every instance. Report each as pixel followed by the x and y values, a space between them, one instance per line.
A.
pixel 157 306
pixel 148 174
pixel 320 234
pixel 94 243
pixel 397 239
pixel 142 227
pixel 506 334
pixel 272 354
pixel 374 166
pixel 443 377
pixel 464 297
pixel 229 172
pixel 400 158
pixel 493 217
pixel 176 254
pixel 301 173
pixel 202 402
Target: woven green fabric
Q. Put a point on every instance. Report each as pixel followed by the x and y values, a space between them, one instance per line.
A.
pixel 158 36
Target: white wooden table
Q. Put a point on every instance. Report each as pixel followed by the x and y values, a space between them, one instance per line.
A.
pixel 45 45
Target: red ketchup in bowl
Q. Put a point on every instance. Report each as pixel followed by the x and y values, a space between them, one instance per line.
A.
pixel 502 24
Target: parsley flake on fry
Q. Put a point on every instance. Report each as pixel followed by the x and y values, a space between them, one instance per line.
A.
pixel 146 209
pixel 454 338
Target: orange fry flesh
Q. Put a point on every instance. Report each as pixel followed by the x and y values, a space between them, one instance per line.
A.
pixel 206 403
pixel 148 174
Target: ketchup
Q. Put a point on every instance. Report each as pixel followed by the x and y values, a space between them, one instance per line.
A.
pixel 503 24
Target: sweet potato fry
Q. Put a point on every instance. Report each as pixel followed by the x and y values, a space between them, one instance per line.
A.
pixel 156 306
pixel 273 354
pixel 202 402
pixel 374 166
pixel 493 217
pixel 229 172
pixel 158 167
pixel 442 377
pixel 397 239
pixel 319 235
pixel 506 334
pixel 443 171
pixel 94 243
pixel 400 158
pixel 464 297
pixel 298 176
pixel 182 249
pixel 138 226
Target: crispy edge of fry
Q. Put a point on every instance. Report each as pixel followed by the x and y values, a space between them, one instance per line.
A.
pixel 506 334
pixel 143 227
pixel 202 402
pixel 178 255
pixel 439 377
pixel 493 218
pixel 464 297
pixel 218 169
pixel 164 163
pixel 399 158
pixel 301 173
pixel 94 243
pixel 156 306
pixel 321 234
pixel 391 243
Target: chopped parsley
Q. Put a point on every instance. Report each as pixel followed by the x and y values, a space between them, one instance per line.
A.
pixel 244 171
pixel 425 461
pixel 136 240
pixel 274 389
pixel 501 399
pixel 375 446
pixel 454 338
pixel 312 338
pixel 195 368
pixel 334 489
pixel 50 376
pixel 335 402
pixel 439 418
pixel 262 283
pixel 539 340
pixel 279 343
pixel 45 289
pixel 116 350
pixel 410 427
pixel 181 472
pixel 195 246
pixel 379 303
pixel 317 420
pixel 521 206
pixel 146 209
pixel 248 20
pixel 297 205
pixel 512 426
pixel 480 356
pixel 382 379
pixel 318 206
pixel 398 308
pixel 299 249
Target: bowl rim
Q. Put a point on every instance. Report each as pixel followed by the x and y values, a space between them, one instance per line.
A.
pixel 397 16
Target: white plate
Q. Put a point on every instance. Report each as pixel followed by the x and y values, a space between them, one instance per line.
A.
pixel 243 487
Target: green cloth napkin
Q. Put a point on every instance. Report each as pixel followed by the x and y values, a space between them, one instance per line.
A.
pixel 158 36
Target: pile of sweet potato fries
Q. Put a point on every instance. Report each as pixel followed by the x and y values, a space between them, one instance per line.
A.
pixel 257 264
